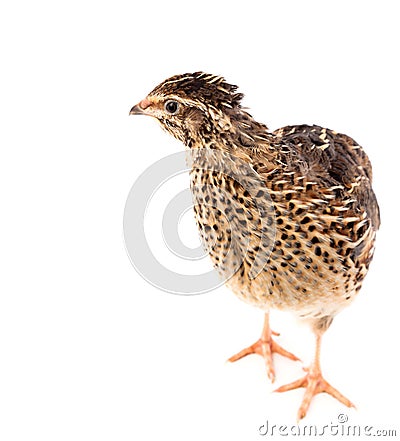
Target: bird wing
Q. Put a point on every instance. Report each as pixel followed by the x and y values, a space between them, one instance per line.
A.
pixel 335 159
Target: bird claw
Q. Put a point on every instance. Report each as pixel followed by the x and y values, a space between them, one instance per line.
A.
pixel 265 348
pixel 314 384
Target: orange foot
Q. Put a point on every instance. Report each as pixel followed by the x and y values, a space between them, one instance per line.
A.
pixel 265 348
pixel 314 384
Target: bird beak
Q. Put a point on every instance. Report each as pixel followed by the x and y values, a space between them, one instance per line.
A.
pixel 140 108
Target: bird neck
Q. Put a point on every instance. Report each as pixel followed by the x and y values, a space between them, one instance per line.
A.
pixel 236 137
pixel 231 131
pixel 232 144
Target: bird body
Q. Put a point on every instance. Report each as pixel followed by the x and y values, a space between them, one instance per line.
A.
pixel 325 219
pixel 288 217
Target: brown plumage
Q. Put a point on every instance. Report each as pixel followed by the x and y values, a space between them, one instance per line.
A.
pixel 288 217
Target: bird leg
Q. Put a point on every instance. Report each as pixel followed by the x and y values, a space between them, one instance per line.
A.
pixel 314 384
pixel 265 346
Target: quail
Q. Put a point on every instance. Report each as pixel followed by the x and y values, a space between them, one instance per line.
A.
pixel 288 217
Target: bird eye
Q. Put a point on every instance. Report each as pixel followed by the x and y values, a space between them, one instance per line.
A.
pixel 171 107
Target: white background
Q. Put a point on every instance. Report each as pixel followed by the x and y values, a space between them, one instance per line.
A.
pixel 89 350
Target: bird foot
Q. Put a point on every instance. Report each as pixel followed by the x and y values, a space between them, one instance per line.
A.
pixel 314 384
pixel 265 348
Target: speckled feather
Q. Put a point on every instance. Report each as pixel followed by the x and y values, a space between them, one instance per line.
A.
pixel 319 181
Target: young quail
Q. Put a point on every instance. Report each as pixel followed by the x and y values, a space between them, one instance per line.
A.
pixel 306 222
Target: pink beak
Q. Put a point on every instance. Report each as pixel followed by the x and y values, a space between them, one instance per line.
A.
pixel 140 108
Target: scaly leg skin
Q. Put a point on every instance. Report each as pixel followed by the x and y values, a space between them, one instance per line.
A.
pixel 314 384
pixel 265 347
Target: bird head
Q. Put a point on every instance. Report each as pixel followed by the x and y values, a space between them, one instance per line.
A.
pixel 192 105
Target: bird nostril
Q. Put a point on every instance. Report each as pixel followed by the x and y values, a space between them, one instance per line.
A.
pixel 144 104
